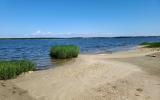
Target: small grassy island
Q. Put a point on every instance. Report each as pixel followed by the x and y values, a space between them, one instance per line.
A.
pixel 11 69
pixel 64 51
pixel 151 44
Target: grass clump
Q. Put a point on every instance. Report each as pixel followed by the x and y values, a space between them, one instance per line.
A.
pixel 11 69
pixel 64 51
pixel 151 44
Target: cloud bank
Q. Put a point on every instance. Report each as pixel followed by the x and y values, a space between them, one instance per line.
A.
pixel 40 33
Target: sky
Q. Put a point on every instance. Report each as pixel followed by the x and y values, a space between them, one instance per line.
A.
pixel 79 18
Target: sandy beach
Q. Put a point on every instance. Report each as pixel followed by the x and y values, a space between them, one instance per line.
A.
pixel 127 75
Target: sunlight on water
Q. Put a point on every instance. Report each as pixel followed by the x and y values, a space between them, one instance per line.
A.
pixel 38 50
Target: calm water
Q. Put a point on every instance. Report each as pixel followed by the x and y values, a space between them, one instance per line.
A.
pixel 37 50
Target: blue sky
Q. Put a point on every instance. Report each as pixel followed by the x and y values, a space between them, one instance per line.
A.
pixel 71 18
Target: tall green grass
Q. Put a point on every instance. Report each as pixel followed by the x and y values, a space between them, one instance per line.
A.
pixel 151 44
pixel 11 69
pixel 64 51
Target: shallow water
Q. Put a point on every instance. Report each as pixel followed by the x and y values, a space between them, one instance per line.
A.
pixel 37 50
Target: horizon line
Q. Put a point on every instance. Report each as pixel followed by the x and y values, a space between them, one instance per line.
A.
pixel 73 37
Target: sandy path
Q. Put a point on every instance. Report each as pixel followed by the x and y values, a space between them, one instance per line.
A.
pixel 75 81
pixel 8 91
pixel 94 77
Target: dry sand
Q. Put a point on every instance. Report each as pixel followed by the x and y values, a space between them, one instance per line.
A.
pixel 129 75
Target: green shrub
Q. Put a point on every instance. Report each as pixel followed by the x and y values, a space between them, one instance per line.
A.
pixel 64 51
pixel 151 44
pixel 10 69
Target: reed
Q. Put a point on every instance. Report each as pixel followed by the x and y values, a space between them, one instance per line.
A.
pixel 151 44
pixel 11 69
pixel 64 51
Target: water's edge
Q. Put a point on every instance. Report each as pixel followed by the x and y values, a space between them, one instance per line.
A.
pixel 37 50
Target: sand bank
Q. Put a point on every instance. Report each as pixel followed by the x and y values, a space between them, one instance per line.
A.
pixel 129 75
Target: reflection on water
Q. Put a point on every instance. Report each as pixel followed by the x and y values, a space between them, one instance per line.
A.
pixel 37 50
pixel 58 62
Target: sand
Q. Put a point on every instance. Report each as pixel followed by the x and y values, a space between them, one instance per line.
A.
pixel 9 91
pixel 129 75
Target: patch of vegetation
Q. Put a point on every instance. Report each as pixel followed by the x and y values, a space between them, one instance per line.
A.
pixel 64 51
pixel 11 69
pixel 151 44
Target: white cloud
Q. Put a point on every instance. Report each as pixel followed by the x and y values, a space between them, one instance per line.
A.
pixel 40 33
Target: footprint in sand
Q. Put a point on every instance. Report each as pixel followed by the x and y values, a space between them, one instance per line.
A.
pixel 139 90
pixel 3 84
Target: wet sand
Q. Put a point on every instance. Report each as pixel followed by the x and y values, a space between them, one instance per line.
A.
pixel 129 75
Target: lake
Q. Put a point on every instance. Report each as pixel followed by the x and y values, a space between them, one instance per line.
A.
pixel 37 50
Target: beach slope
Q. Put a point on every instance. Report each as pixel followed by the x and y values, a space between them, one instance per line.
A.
pixel 129 75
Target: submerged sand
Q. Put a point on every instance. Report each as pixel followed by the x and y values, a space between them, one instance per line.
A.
pixel 129 75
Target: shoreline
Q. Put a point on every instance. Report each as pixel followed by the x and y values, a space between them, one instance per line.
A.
pixel 122 75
